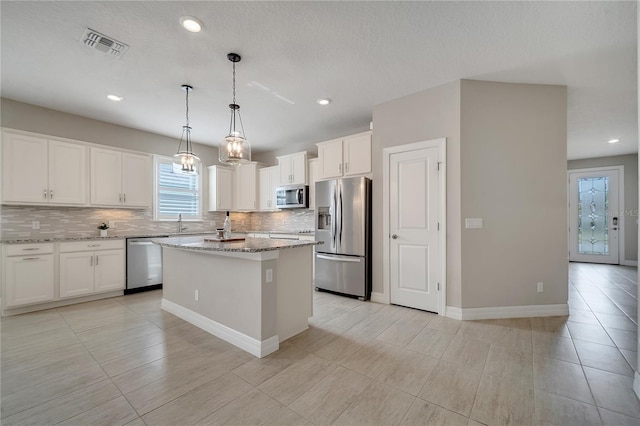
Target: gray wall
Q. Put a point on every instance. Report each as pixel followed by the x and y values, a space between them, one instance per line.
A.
pixel 630 207
pixel 426 115
pixel 506 163
pixel 513 166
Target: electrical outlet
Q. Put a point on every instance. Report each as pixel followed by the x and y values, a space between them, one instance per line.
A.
pixel 112 224
pixel 35 224
pixel 540 287
pixel 196 295
pixel 269 276
pixel 212 223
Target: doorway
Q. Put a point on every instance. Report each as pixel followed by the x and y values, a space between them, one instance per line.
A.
pixel 414 224
pixel 595 214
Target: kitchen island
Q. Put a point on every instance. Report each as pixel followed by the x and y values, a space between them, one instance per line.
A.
pixel 254 293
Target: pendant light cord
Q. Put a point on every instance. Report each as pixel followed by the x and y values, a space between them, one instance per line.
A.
pixel 188 129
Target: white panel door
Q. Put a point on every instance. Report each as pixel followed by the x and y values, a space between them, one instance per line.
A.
pixel 137 179
pixel 299 168
pixel 414 203
pixel 595 215
pixel 109 270
pixel 76 274
pixel 24 169
pixel 67 173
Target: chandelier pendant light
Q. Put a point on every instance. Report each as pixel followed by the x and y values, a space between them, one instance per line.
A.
pixel 234 149
pixel 186 162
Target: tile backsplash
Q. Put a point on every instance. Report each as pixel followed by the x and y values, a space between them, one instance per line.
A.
pixel 61 222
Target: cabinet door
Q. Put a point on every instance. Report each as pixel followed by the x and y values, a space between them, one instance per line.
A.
pixel 220 189
pixel 275 182
pixel 76 274
pixel 24 169
pixel 246 188
pixel 330 158
pixel 137 180
pixel 265 198
pixel 286 170
pixel 299 168
pixel 106 177
pixel 28 279
pixel 313 177
pixel 109 270
pixel 67 173
pixel 357 155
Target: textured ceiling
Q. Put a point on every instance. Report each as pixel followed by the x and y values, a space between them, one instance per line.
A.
pixel 360 54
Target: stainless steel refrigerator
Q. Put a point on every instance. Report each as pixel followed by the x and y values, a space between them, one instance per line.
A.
pixel 343 223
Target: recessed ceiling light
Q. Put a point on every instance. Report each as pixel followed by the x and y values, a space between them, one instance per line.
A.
pixel 115 98
pixel 191 24
pixel 324 101
pixel 614 140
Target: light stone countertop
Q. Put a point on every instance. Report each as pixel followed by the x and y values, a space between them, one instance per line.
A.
pixel 249 245
pixel 123 236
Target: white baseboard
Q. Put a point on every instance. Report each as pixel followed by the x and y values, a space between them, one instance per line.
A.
pixel 629 263
pixel 636 384
pixel 253 346
pixel 379 298
pixel 507 312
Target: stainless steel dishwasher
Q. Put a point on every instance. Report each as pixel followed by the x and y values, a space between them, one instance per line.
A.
pixel 144 265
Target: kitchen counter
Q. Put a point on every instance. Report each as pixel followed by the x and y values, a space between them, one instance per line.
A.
pixel 249 245
pixel 116 236
pixel 254 293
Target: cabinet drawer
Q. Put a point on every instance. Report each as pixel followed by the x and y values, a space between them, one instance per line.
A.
pixel 27 249
pixel 91 245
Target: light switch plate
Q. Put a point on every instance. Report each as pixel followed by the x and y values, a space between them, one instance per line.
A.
pixel 112 224
pixel 35 224
pixel 473 223
pixel 269 277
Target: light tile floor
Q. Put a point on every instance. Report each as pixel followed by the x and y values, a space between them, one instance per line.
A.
pixel 124 361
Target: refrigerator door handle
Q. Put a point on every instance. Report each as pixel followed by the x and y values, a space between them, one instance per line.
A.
pixel 339 258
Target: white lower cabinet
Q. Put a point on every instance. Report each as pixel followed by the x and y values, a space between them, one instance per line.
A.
pixel 29 274
pixel 91 267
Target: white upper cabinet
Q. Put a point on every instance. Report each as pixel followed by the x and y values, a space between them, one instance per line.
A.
pixel 348 156
pixel 313 177
pixel 120 179
pixel 247 186
pixel 137 180
pixel 220 188
pixel 269 178
pixel 40 171
pixel 293 168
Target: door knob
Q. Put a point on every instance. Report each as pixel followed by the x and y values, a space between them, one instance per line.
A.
pixel 394 236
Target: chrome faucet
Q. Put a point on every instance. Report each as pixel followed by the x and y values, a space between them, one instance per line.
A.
pixel 180 226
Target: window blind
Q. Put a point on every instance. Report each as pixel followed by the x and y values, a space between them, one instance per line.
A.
pixel 177 193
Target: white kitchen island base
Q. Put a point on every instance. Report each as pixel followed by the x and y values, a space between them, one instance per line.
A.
pixel 253 300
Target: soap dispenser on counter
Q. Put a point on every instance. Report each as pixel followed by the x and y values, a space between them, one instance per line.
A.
pixel 227 227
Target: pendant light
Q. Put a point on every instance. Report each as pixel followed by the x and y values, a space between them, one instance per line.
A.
pixel 186 162
pixel 234 149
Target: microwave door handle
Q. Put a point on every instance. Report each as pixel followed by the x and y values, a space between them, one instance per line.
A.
pixel 299 195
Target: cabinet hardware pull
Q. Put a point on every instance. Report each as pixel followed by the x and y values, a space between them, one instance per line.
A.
pixel 346 167
pixel 340 168
pixel 44 194
pixel 31 258
pixel 91 261
pixel 93 245
pixel 31 249
pixel 124 197
pixel 120 197
pixel 97 260
pixel 51 193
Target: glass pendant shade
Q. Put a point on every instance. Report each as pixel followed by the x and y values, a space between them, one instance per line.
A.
pixel 185 161
pixel 234 149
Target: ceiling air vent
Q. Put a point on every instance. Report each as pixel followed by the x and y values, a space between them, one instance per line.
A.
pixel 102 43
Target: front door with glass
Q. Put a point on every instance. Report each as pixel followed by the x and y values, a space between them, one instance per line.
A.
pixel 595 216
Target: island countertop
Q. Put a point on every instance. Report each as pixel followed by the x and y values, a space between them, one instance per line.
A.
pixel 249 245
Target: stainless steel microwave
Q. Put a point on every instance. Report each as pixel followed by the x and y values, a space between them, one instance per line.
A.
pixel 292 197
